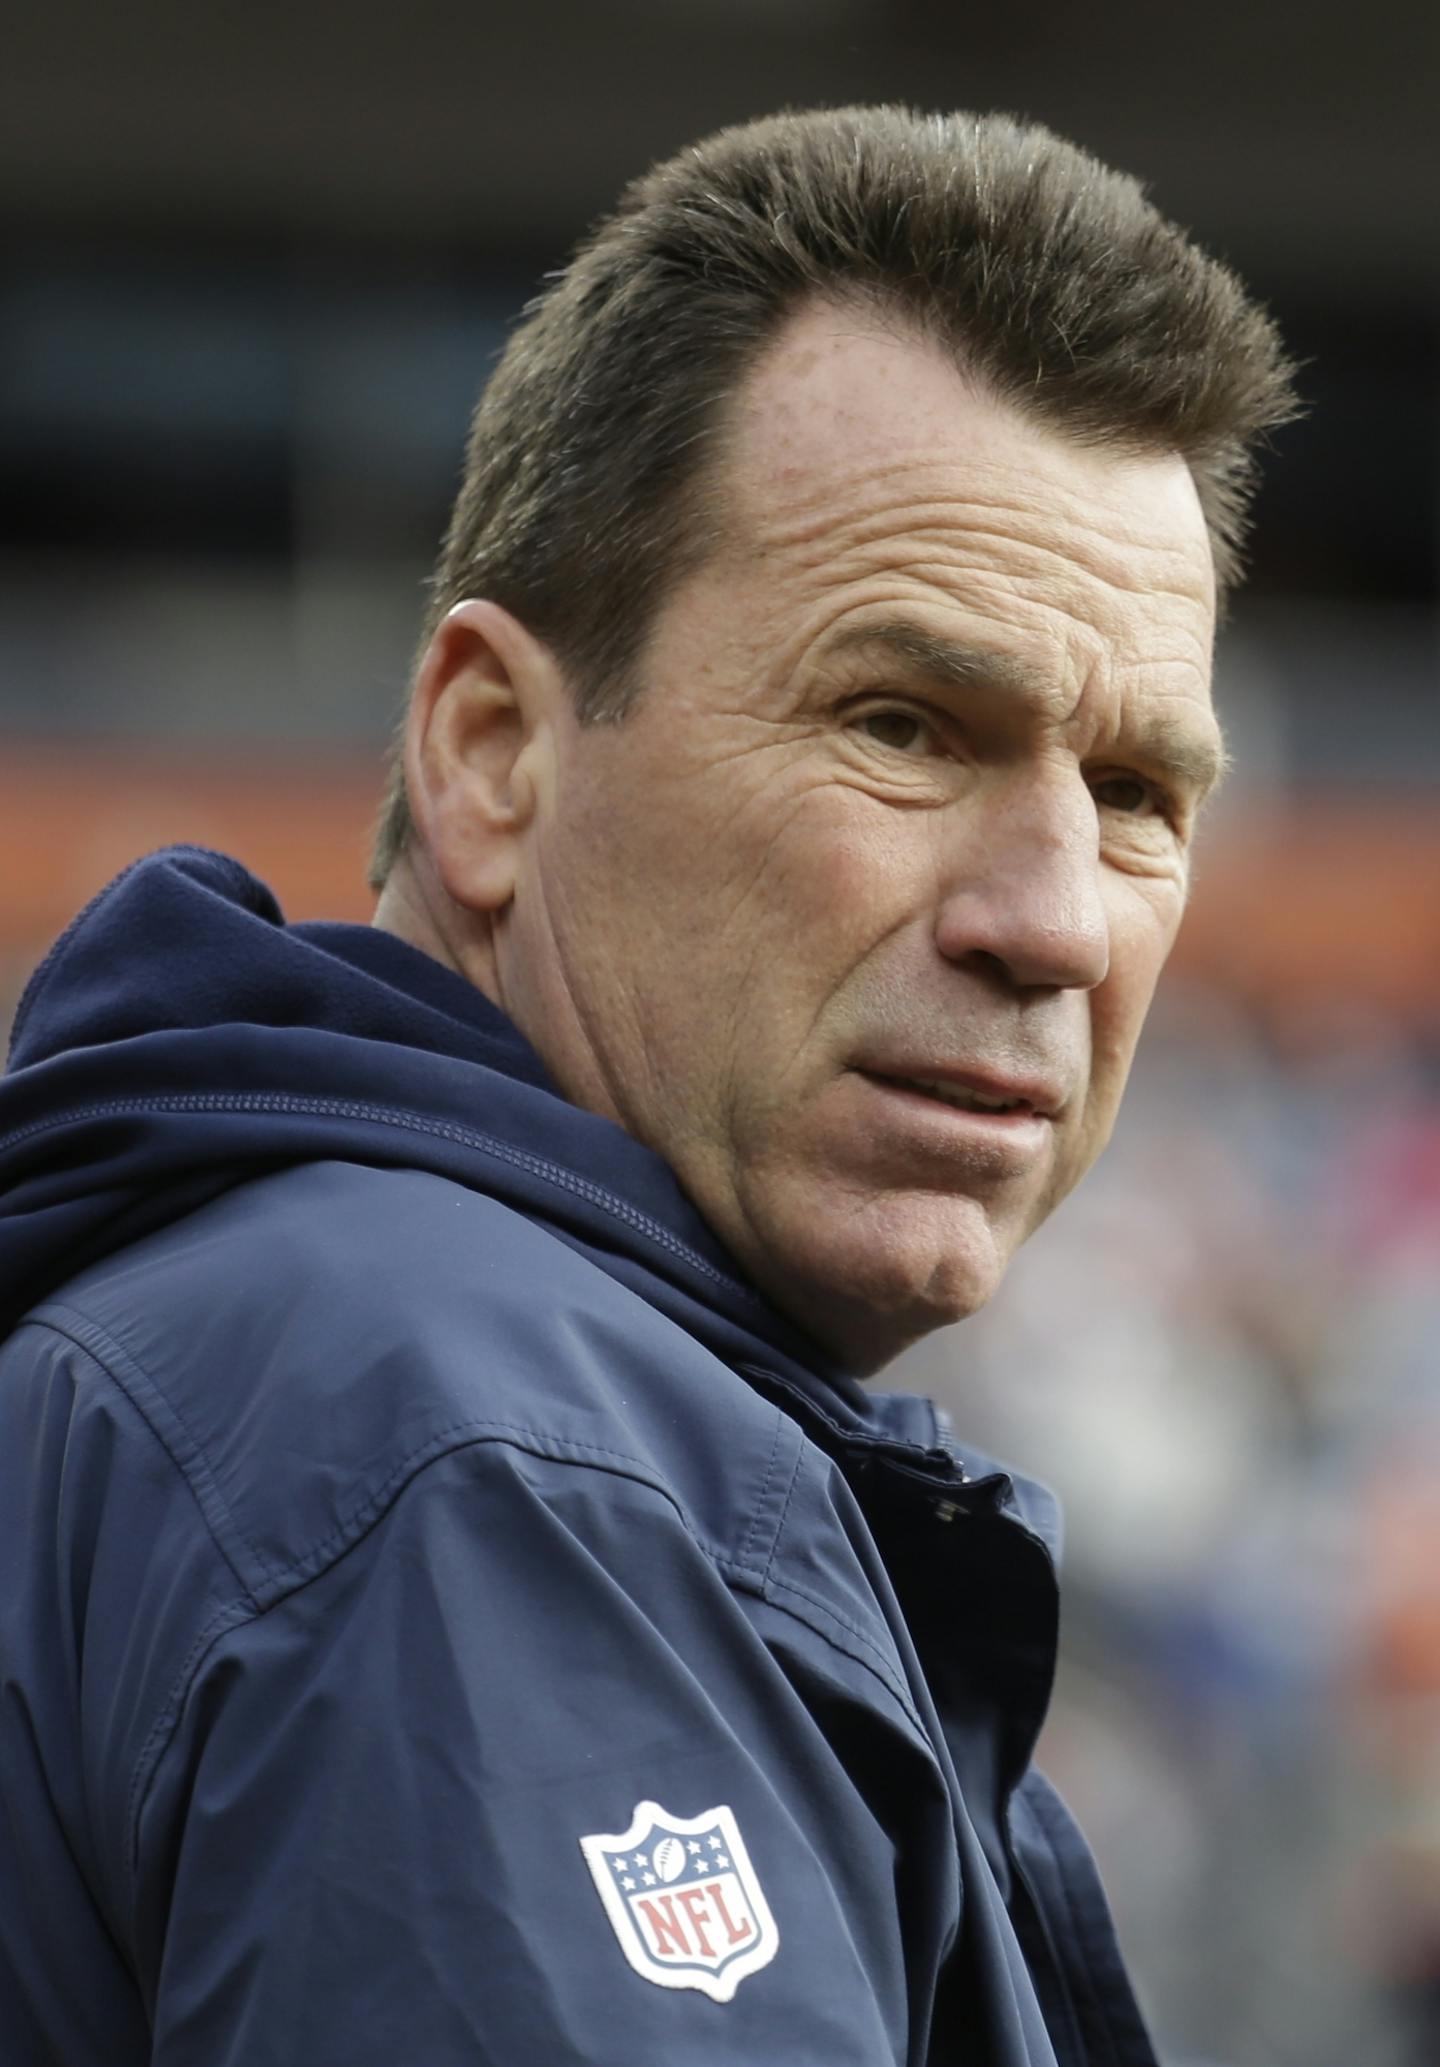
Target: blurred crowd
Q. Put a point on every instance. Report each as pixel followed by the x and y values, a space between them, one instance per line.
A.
pixel 1225 1356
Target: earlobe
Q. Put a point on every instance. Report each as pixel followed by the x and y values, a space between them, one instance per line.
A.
pixel 479 716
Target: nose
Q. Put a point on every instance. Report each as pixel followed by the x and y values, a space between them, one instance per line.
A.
pixel 1022 887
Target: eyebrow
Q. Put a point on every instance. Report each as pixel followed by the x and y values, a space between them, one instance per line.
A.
pixel 927 653
pixel 1197 761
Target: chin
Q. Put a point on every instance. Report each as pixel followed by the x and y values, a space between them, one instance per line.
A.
pixel 867 1293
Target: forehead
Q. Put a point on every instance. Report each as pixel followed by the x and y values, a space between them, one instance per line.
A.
pixel 863 467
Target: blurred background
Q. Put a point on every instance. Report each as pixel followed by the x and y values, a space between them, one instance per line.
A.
pixel 254 265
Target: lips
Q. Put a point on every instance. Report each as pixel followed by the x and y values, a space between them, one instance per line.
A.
pixel 974 1091
pixel 961 1095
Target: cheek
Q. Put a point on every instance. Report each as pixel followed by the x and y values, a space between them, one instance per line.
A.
pixel 850 865
pixel 781 897
pixel 840 879
pixel 1141 936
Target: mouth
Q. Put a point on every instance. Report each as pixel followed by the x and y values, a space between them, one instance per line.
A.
pixel 994 1100
pixel 961 1096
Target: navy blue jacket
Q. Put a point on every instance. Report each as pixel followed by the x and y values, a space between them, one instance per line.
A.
pixel 446 1616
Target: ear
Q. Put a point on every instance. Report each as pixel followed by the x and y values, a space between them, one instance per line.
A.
pixel 476 749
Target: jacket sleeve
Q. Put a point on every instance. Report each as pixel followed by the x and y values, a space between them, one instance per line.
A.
pixel 362 1840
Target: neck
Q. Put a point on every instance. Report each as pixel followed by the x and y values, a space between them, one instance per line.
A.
pixel 417 909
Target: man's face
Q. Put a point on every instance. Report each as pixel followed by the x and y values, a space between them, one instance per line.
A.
pixel 855 918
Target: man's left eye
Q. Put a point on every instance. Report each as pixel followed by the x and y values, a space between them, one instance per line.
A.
pixel 902 731
pixel 1129 794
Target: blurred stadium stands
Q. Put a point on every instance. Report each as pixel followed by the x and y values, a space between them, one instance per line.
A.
pixel 252 271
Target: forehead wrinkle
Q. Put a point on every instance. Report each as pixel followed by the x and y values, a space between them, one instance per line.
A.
pixel 942 545
pixel 1091 532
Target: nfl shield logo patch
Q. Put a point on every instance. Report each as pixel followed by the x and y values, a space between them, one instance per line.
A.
pixel 683 1899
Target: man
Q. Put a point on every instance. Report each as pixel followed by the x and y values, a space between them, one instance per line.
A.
pixel 460 1604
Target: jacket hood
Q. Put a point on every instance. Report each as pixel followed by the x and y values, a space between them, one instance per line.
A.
pixel 180 1037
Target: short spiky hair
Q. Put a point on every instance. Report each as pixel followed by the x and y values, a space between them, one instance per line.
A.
pixel 1045 274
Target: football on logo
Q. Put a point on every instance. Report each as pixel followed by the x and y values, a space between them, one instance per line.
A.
pixel 683 1899
pixel 668 1858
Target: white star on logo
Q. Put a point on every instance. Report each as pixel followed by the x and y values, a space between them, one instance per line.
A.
pixel 641 1859
pixel 721 1860
pixel 649 1880
pixel 714 1844
pixel 618 1864
pixel 627 1882
pixel 692 1846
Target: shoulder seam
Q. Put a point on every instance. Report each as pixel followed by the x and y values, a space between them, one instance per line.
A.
pixel 167 1427
pixel 322 1558
pixel 751 1568
pixel 251 1607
